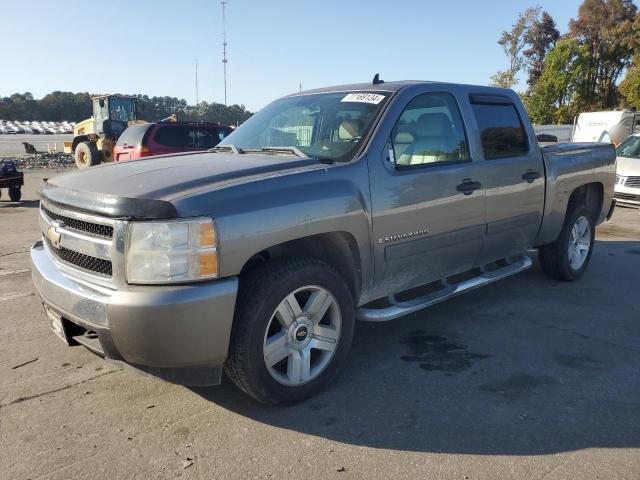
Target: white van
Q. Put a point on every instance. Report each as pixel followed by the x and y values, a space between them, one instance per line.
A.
pixel 595 126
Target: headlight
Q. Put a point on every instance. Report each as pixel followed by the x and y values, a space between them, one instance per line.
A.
pixel 172 251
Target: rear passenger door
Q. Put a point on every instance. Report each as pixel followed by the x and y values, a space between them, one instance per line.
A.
pixel 514 177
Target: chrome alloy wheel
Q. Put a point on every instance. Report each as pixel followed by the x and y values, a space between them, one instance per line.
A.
pixel 579 243
pixel 302 335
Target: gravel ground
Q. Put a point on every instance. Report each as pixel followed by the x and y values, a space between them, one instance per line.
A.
pixel 528 378
pixel 11 148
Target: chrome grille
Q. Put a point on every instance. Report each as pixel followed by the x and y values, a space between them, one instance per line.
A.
pixel 633 182
pixel 81 225
pixel 620 179
pixel 86 262
pixel 86 246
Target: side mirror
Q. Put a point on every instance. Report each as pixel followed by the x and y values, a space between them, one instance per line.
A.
pixel 546 138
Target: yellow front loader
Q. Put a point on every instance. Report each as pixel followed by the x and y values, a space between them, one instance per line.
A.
pixel 94 138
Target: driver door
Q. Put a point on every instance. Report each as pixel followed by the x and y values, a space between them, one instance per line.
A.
pixel 428 199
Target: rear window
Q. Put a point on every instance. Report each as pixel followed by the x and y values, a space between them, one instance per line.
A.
pixel 501 130
pixel 133 135
pixel 177 136
pixel 209 137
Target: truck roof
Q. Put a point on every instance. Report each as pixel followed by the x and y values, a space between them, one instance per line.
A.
pixel 392 87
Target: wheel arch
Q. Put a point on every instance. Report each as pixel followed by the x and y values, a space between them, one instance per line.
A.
pixel 590 195
pixel 338 249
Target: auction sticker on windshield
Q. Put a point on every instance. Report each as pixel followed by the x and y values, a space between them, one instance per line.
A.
pixel 363 98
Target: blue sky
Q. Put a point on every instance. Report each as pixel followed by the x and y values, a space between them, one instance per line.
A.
pixel 144 46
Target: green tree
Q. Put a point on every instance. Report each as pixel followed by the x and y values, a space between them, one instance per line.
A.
pixel 557 94
pixel 606 28
pixel 58 106
pixel 630 86
pixel 513 43
pixel 540 38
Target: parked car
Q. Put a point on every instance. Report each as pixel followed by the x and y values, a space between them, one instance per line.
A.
pixel 627 189
pixel 366 202
pixel 163 138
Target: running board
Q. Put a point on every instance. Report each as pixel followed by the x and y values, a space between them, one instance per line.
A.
pixel 401 308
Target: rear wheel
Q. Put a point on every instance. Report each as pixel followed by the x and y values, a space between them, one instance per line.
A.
pixel 15 194
pixel 87 155
pixel 292 331
pixel 568 257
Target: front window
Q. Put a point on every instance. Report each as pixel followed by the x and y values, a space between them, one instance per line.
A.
pixel 122 109
pixel 629 148
pixel 430 132
pixel 326 125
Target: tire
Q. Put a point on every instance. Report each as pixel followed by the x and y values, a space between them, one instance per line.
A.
pixel 15 194
pixel 86 155
pixel 555 258
pixel 257 325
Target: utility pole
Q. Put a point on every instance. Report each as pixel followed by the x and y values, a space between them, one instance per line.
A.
pixel 224 47
pixel 197 83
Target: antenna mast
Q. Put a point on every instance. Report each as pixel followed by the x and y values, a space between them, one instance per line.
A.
pixel 196 83
pixel 224 47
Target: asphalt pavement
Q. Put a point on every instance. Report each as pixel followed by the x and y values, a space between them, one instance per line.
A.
pixel 528 378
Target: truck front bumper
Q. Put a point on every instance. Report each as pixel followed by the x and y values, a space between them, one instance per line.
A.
pixel 179 333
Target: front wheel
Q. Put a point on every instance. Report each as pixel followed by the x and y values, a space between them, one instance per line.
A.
pixel 292 331
pixel 568 257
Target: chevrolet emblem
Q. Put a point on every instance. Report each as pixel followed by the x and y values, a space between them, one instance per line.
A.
pixel 53 235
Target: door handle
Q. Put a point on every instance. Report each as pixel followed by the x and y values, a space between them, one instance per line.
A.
pixel 530 176
pixel 467 186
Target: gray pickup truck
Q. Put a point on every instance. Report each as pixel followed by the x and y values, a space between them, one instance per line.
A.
pixel 359 202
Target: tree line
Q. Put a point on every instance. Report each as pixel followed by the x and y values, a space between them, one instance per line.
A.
pixel 73 107
pixel 594 66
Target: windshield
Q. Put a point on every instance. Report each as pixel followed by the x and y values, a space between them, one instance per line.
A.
pixel 629 148
pixel 122 109
pixel 326 125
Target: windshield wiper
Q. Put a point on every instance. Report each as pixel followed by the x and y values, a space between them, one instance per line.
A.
pixel 296 151
pixel 227 146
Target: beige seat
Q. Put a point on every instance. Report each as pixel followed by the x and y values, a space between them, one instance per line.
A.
pixel 434 140
pixel 349 130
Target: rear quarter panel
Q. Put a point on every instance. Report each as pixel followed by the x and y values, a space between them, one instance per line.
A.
pixel 568 167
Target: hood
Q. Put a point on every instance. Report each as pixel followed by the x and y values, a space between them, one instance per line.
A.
pixel 144 188
pixel 628 167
